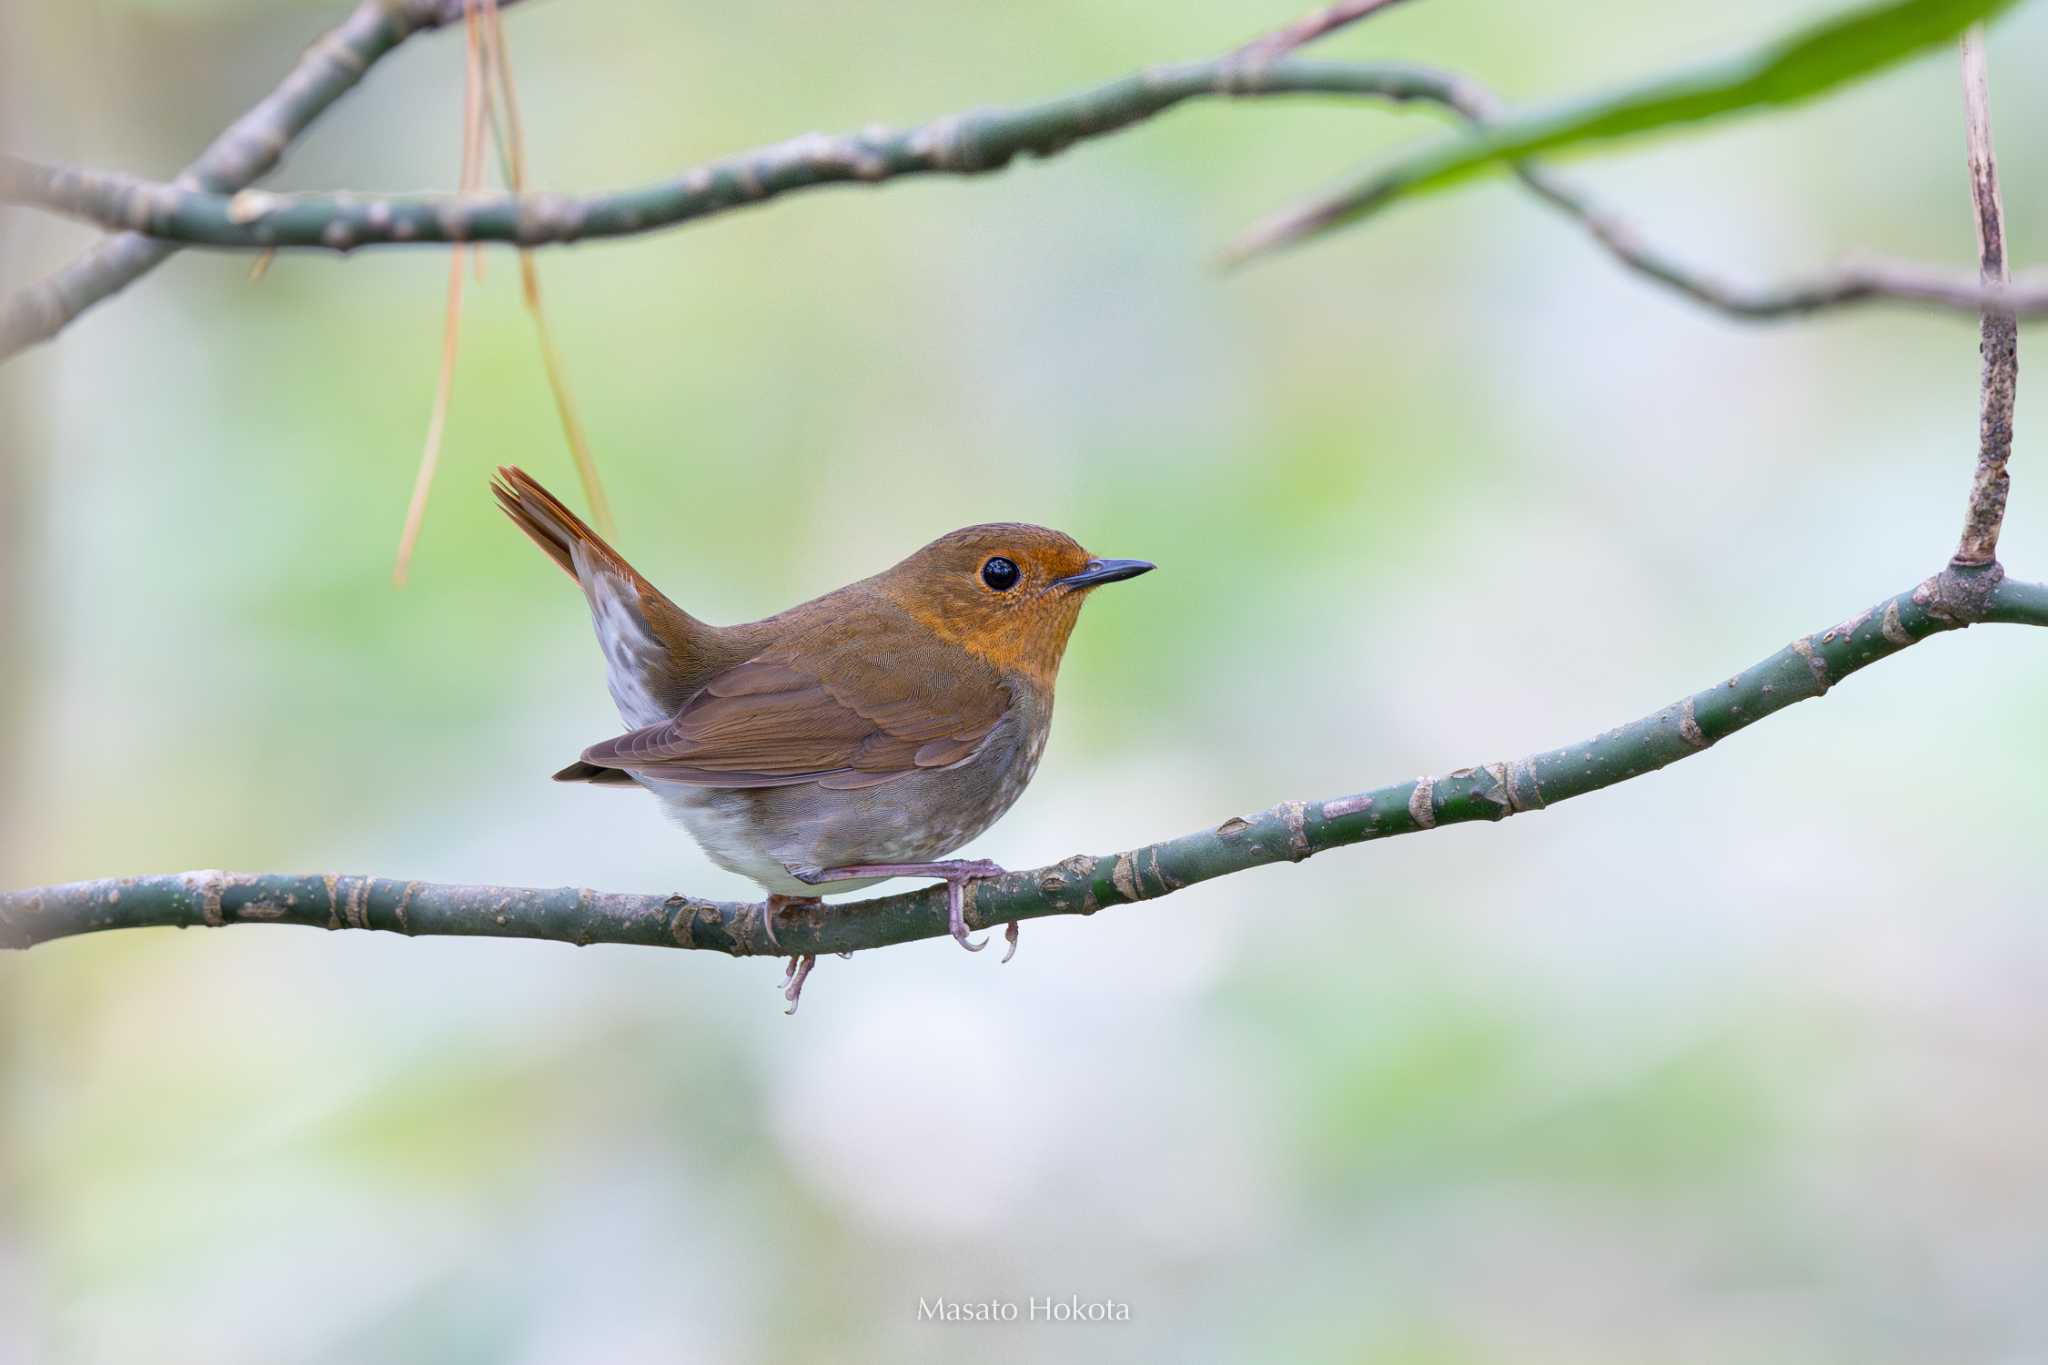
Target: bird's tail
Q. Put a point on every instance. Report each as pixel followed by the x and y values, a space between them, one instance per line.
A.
pixel 551 525
pixel 649 642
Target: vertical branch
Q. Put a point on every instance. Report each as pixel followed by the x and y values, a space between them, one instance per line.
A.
pixel 2000 335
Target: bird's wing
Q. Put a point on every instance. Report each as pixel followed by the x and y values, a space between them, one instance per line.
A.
pixel 842 721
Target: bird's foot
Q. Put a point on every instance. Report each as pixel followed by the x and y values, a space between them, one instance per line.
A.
pixel 1010 937
pixel 793 978
pixel 957 872
pixel 774 906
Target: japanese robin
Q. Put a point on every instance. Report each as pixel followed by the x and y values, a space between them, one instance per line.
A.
pixel 859 736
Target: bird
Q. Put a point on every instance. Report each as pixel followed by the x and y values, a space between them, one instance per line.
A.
pixel 859 736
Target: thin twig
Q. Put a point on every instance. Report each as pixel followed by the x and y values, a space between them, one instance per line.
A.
pixel 1289 832
pixel 247 150
pixel 1849 283
pixel 1271 47
pixel 2000 340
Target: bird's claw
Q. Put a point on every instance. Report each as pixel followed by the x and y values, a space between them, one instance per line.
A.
pixel 956 914
pixel 957 875
pixel 1010 937
pixel 793 978
pixel 775 905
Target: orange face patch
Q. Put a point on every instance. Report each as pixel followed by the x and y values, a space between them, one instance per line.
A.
pixel 996 591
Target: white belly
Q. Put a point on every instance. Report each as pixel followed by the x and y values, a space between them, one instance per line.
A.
pixel 720 822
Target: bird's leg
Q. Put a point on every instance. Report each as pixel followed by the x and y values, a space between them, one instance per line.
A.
pixel 793 979
pixel 957 872
pixel 774 906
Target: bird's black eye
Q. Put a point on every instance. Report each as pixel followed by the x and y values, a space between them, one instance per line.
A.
pixel 1000 574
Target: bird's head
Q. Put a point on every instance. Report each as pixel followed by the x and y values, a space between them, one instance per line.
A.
pixel 1006 591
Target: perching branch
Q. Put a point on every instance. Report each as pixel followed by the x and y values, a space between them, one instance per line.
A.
pixel 250 148
pixel 1081 885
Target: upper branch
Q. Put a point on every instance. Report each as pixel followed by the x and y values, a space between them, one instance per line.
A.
pixel 2000 339
pixel 972 143
pixel 250 147
pixel 1081 885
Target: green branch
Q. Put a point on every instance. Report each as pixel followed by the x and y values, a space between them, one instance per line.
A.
pixel 251 147
pixel 973 143
pixel 1081 885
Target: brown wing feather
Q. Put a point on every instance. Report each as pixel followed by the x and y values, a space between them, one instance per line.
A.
pixel 842 720
pixel 580 771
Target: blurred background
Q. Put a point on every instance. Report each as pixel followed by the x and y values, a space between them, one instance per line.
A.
pixel 1739 1061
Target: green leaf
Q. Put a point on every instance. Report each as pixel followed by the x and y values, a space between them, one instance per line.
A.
pixel 1811 62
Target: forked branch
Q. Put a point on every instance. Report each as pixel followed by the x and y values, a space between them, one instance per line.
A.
pixel 249 149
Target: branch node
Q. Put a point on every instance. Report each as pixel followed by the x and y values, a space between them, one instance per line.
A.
pixel 205 888
pixel 1520 771
pixel 1894 629
pixel 1422 803
pixel 1123 875
pixel 1689 726
pixel 1816 664
pixel 1294 815
pixel 1961 593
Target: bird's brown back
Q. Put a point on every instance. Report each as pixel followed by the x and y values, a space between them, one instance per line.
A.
pixel 901 672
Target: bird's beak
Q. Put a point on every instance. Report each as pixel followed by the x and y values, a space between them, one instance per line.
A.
pixel 1105 571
